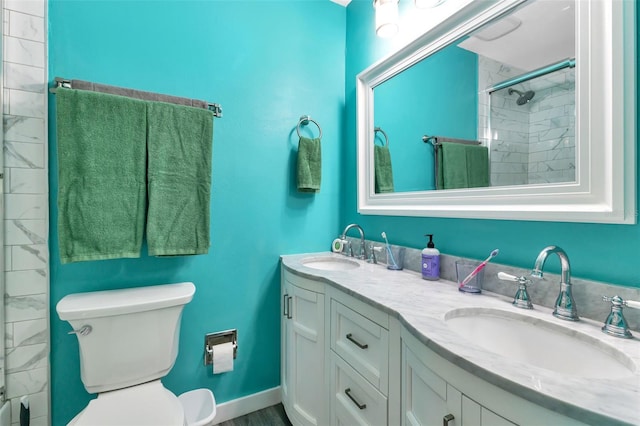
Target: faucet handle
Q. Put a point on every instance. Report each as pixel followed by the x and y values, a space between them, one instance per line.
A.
pixel 615 324
pixel 522 298
pixel 372 253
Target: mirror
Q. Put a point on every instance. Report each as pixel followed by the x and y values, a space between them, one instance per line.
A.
pixel 522 116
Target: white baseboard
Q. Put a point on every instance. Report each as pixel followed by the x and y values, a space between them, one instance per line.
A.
pixel 247 404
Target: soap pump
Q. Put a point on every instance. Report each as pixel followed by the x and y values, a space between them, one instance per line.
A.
pixel 430 261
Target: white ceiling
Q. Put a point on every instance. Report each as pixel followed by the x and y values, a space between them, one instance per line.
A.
pixel 344 3
pixel 546 35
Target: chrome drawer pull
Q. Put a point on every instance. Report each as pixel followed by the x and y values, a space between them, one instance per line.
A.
pixel 289 315
pixel 347 392
pixel 355 342
pixel 446 419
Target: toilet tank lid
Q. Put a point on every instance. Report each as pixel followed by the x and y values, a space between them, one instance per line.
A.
pixel 123 301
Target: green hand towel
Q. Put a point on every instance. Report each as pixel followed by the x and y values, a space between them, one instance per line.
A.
pixel 309 166
pixel 179 144
pixel 462 166
pixel 383 169
pixel 101 175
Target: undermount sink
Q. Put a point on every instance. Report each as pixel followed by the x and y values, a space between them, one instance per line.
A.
pixel 539 343
pixel 330 263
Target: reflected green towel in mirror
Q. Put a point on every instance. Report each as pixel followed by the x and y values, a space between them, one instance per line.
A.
pixel 462 166
pixel 383 169
pixel 309 166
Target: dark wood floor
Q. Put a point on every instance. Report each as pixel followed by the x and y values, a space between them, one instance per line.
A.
pixel 270 416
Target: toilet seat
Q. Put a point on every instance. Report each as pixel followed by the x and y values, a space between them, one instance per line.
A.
pixel 146 404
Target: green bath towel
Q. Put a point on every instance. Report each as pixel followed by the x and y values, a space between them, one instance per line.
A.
pixel 101 175
pixel 462 166
pixel 309 165
pixel 179 144
pixel 383 169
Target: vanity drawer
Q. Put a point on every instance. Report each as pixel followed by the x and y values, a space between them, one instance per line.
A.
pixel 354 401
pixel 361 342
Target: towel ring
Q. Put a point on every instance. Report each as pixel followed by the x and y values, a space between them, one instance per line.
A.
pixel 304 120
pixel 386 138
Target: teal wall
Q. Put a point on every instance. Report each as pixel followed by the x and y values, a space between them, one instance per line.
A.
pixel 267 63
pixel 599 252
pixel 425 100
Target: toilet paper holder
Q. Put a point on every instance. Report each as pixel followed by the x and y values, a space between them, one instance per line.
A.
pixel 212 339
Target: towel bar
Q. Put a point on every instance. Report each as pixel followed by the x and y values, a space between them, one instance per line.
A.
pixel 304 120
pixel 436 140
pixel 137 94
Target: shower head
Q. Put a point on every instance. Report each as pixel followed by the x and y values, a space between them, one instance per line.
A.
pixel 523 98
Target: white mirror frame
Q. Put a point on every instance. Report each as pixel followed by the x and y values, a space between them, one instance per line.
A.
pixel 605 190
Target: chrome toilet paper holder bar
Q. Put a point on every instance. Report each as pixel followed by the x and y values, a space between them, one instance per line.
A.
pixel 212 339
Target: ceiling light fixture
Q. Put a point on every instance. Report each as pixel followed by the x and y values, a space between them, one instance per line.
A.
pixel 427 4
pixel 386 17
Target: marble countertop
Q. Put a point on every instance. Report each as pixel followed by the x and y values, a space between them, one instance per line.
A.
pixel 421 306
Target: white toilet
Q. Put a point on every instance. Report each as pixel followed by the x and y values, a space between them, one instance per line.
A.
pixel 128 341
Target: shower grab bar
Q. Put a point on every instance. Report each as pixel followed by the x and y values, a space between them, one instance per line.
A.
pixel 304 120
pixel 567 63
pixel 437 140
pixel 136 94
pixel 386 138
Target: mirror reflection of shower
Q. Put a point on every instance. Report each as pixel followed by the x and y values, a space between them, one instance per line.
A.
pixel 530 127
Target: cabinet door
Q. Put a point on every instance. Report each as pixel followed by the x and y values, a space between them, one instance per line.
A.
pixel 426 397
pixel 304 369
pixel 285 344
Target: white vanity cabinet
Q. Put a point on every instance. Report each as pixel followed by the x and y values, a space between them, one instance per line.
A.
pixel 427 399
pixel 433 388
pixel 359 366
pixel 303 350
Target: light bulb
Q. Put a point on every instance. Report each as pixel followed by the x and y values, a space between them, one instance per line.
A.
pixel 386 17
pixel 426 4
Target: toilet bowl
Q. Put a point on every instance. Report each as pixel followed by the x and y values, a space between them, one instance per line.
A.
pixel 128 341
pixel 148 404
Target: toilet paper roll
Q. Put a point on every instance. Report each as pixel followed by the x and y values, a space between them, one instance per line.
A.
pixel 223 358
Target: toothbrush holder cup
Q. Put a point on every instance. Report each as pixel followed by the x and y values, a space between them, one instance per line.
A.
pixel 398 255
pixel 463 269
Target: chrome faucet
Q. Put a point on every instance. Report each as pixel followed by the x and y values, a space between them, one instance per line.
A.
pixel 565 307
pixel 350 250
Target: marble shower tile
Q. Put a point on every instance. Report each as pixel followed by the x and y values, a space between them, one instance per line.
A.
pixel 29 181
pixel 25 206
pixel 24 129
pixel 25 232
pixel 29 256
pixel 26 26
pixel 24 358
pixel 7 260
pixel 24 77
pixel 30 332
pixel 6 93
pixel 26 382
pixel 24 52
pixel 23 283
pixel 27 104
pixel 24 308
pixel 24 155
pixel 8 335
pixel 32 7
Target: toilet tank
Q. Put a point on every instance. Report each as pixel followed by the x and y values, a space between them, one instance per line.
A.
pixel 134 333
